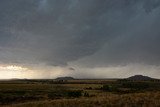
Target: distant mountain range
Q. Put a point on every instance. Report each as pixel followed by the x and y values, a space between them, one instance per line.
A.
pixel 132 78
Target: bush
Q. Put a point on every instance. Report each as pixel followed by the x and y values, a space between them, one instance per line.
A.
pixel 74 93
pixel 106 87
pixel 86 94
pixel 109 88
pixel 64 93
pixel 136 85
pixel 53 95
pixel 89 88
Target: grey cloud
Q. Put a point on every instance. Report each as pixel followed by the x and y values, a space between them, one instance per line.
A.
pixel 57 32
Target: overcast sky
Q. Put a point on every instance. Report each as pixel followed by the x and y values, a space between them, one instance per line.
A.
pixel 80 38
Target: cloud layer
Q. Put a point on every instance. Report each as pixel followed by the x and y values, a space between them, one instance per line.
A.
pixel 88 33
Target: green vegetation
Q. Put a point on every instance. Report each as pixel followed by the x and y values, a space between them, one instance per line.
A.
pixel 136 85
pixel 74 93
pixel 110 88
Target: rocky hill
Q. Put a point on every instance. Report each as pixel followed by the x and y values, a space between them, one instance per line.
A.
pixel 139 78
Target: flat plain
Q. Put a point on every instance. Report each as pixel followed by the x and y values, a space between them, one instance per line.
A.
pixel 79 93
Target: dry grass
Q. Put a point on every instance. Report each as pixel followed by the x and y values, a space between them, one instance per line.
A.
pixel 96 96
pixel 147 99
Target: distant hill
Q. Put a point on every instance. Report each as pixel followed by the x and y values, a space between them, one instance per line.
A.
pixel 139 78
pixel 65 78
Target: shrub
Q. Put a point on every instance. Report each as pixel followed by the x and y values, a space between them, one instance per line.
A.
pixel 86 94
pixel 136 85
pixel 74 93
pixel 89 88
pixel 55 95
pixel 109 88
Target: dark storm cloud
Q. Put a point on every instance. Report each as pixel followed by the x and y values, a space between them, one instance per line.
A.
pixel 56 32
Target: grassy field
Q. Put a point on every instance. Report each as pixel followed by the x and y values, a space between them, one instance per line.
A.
pixel 79 93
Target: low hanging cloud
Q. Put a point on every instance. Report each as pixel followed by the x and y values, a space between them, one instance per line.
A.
pixel 88 33
pixel 116 71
